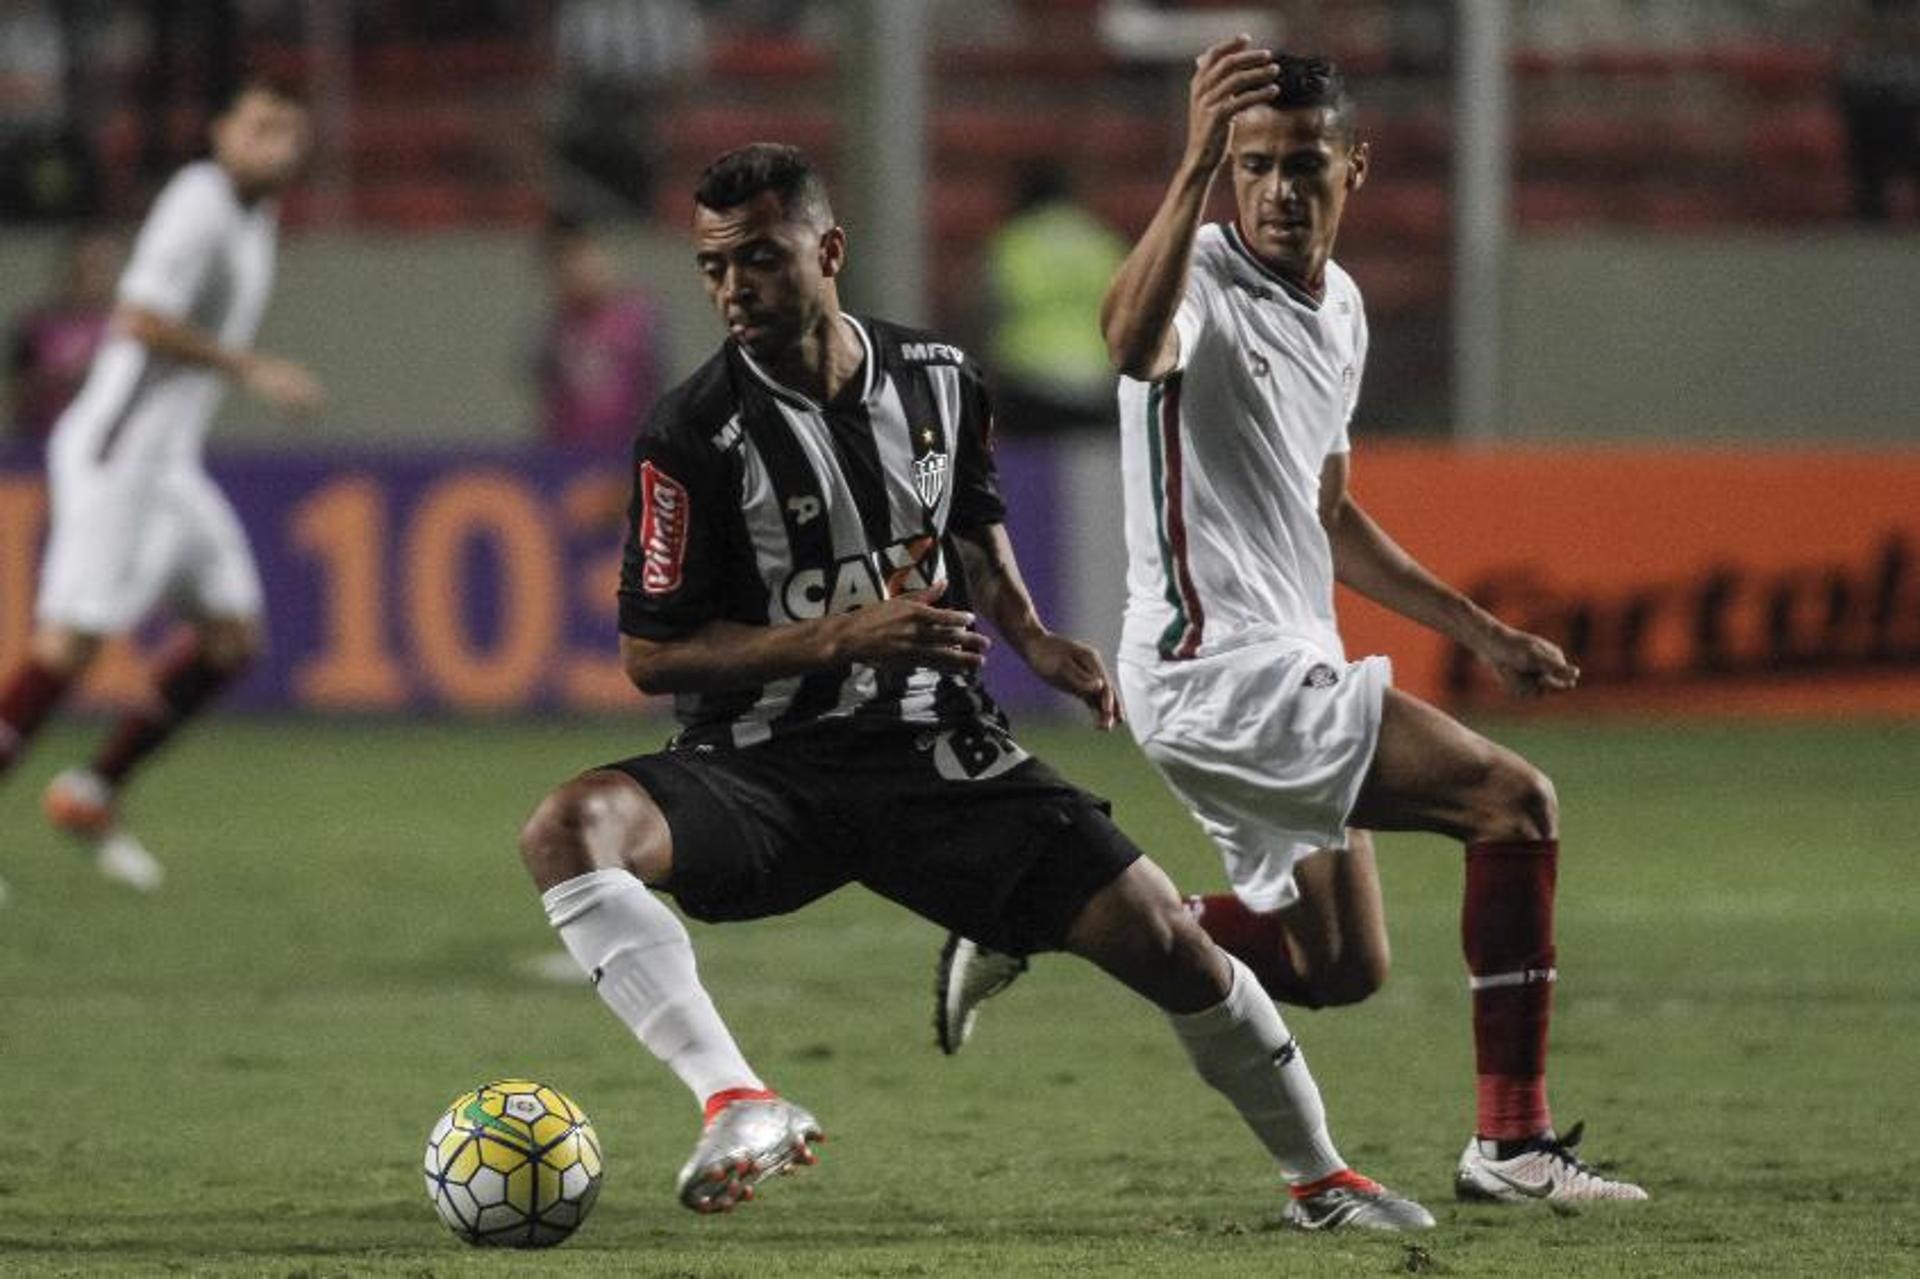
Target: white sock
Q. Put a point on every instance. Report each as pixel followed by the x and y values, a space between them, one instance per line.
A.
pixel 1242 1048
pixel 641 961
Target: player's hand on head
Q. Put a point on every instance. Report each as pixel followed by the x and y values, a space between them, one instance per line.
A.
pixel 911 631
pixel 1076 669
pixel 1529 665
pixel 1227 79
pixel 285 385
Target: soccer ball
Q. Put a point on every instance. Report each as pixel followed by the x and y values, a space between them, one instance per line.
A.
pixel 513 1164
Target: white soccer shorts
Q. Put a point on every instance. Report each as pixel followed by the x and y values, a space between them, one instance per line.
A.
pixel 119 545
pixel 1267 746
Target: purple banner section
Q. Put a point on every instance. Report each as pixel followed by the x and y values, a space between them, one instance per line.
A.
pixel 468 581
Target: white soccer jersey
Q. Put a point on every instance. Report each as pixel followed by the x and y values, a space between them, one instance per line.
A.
pixel 202 257
pixel 1221 460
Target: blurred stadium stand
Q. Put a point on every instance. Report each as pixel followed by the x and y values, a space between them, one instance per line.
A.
pixel 1649 116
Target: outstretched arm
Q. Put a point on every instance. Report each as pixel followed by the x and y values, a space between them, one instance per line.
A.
pixel 996 587
pixel 1372 563
pixel 280 382
pixel 1136 317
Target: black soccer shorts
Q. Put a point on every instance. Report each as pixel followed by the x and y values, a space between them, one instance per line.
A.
pixel 959 825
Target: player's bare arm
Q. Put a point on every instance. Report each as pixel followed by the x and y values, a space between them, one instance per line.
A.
pixel 994 580
pixel 1368 560
pixel 906 632
pixel 280 382
pixel 1137 315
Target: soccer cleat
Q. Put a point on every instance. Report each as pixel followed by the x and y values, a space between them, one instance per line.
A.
pixel 746 1142
pixel 968 976
pixel 123 859
pixel 1348 1200
pixel 79 802
pixel 1544 1168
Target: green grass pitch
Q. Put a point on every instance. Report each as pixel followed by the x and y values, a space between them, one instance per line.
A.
pixel 236 1077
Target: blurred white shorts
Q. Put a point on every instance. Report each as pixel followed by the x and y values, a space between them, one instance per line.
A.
pixel 119 545
pixel 1267 746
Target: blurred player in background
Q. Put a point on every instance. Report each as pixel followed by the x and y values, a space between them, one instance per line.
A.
pixel 52 345
pixel 801 505
pixel 1242 348
pixel 135 518
pixel 602 359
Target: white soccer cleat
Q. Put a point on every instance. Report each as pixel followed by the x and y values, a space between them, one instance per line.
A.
pixel 745 1143
pixel 125 860
pixel 968 976
pixel 1546 1169
pixel 81 803
pixel 1354 1202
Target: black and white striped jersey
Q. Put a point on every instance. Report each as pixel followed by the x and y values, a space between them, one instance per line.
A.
pixel 753 503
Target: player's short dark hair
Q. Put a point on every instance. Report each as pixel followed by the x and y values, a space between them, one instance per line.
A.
pixel 563 229
pixel 1312 80
pixel 745 172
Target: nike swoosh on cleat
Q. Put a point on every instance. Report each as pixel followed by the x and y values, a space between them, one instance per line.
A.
pixel 1530 1191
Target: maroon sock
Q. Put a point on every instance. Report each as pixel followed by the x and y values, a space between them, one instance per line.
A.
pixel 1506 928
pixel 1255 939
pixel 29 697
pixel 186 682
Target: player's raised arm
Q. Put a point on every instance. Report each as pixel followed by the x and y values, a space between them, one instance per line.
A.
pixel 996 586
pixel 1136 317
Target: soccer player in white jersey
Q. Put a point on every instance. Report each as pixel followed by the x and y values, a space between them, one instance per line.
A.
pixel 135 518
pixel 1241 348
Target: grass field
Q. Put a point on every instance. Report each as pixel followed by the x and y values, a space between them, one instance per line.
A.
pixel 235 1077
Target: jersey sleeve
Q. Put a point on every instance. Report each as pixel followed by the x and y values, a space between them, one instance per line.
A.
pixel 976 482
pixel 176 247
pixel 1194 319
pixel 1345 444
pixel 672 568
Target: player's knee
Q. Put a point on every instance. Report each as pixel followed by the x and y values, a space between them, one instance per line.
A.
pixel 230 646
pixel 1521 805
pixel 65 652
pixel 598 821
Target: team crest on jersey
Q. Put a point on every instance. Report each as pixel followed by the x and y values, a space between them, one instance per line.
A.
pixel 929 471
pixel 663 530
pixel 1321 675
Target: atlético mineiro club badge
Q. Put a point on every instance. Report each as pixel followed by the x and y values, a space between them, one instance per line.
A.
pixel 663 530
pixel 929 471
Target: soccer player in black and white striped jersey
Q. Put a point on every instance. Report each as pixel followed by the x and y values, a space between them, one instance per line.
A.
pixel 815 527
pixel 135 517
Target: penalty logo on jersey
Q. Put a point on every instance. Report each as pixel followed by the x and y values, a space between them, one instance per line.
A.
pixel 929 472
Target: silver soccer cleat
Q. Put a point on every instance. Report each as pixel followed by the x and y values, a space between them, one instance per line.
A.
pixel 1357 1203
pixel 968 976
pixel 1546 1169
pixel 743 1145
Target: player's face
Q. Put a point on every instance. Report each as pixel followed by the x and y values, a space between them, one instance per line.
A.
pixel 769 274
pixel 261 141
pixel 1292 173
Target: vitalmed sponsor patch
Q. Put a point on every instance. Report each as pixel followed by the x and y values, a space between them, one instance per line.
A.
pixel 663 529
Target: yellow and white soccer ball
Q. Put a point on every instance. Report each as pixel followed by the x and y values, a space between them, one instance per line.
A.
pixel 513 1164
